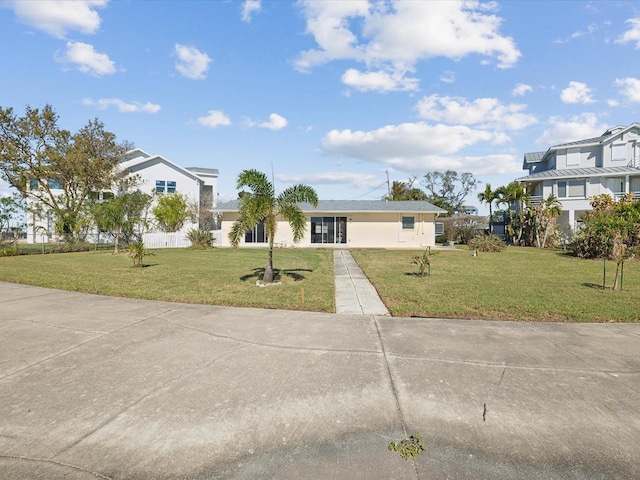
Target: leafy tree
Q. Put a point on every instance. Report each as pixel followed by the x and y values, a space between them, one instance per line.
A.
pixel 39 159
pixel 405 191
pixel 261 204
pixel 9 208
pixel 489 196
pixel 123 216
pixel 610 231
pixel 171 212
pixel 448 190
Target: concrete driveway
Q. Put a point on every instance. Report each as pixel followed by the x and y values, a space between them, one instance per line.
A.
pixel 98 387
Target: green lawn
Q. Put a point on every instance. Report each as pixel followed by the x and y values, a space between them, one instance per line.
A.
pixel 217 276
pixel 516 284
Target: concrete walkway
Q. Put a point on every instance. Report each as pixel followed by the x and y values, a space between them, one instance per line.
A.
pixel 354 293
pixel 94 387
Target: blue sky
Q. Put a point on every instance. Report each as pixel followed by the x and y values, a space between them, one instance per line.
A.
pixel 330 94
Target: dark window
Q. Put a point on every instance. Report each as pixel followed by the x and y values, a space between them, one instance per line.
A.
pixel 160 185
pixel 408 223
pixel 171 187
pixel 328 229
pixel 256 234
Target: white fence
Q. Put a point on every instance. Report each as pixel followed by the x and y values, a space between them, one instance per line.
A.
pixel 173 240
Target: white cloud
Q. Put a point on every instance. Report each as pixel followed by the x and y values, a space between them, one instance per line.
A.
pixel 413 147
pixel 57 17
pixel 358 180
pixel 248 8
pixel 276 122
pixel 577 92
pixel 448 77
pixel 576 128
pixel 613 103
pixel 633 34
pixel 216 118
pixel 629 88
pixel 520 89
pixel 380 81
pixel 484 112
pixel 87 60
pixel 394 36
pixel 122 106
pixel 192 63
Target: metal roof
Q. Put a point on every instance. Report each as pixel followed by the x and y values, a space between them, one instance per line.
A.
pixel 210 171
pixel 581 173
pixel 533 157
pixel 354 206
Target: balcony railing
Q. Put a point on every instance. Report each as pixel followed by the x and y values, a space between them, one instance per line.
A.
pixel 619 195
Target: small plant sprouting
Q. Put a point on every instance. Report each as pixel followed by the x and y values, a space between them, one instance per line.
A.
pixel 409 447
pixel 424 262
pixel 137 251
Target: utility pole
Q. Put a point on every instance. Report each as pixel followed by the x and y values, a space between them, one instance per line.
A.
pixel 388 185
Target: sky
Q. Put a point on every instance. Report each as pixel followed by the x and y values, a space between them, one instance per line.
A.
pixel 337 95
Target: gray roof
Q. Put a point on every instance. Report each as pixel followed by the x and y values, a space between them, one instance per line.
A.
pixel 354 206
pixel 581 173
pixel 210 171
pixel 611 132
pixel 533 157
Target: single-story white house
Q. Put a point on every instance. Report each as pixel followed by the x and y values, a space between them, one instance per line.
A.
pixel 347 224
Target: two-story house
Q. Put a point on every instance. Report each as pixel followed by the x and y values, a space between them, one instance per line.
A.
pixel 576 171
pixel 156 174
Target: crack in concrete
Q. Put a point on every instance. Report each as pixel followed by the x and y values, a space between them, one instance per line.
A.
pixel 55 462
pixel 113 417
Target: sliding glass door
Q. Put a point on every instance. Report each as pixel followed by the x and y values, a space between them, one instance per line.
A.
pixel 328 229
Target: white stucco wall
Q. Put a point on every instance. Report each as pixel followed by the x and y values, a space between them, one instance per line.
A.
pixel 364 230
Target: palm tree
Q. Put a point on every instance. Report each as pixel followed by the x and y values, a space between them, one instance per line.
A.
pixel 549 209
pixel 514 195
pixel 488 197
pixel 261 204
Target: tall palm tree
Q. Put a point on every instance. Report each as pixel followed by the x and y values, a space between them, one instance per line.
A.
pixel 515 196
pixel 261 204
pixel 488 197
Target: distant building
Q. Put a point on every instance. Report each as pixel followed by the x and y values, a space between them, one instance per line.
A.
pixel 576 171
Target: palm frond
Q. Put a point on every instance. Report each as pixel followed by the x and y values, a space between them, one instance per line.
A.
pixel 257 181
pixel 297 194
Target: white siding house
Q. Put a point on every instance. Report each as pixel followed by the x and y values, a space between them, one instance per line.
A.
pixel 156 174
pixel 576 171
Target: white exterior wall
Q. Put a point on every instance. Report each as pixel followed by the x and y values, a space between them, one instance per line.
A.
pixel 185 185
pixel 364 230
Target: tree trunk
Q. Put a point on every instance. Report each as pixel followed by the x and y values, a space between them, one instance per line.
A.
pixel 115 250
pixel 615 280
pixel 268 271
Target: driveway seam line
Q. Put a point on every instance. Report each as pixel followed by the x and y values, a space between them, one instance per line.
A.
pixel 55 462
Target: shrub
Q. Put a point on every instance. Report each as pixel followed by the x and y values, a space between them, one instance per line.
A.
pixel 487 243
pixel 137 252
pixel 200 238
pixel 424 262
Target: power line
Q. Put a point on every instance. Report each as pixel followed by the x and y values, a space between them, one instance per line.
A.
pixel 370 191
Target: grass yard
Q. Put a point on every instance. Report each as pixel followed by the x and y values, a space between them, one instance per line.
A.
pixel 217 276
pixel 516 284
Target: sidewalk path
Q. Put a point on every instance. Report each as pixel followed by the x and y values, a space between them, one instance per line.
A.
pixel 354 292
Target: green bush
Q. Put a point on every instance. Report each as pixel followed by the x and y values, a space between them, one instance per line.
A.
pixel 200 239
pixel 487 243
pixel 137 252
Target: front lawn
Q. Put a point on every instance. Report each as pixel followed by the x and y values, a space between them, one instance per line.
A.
pixel 516 284
pixel 218 276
